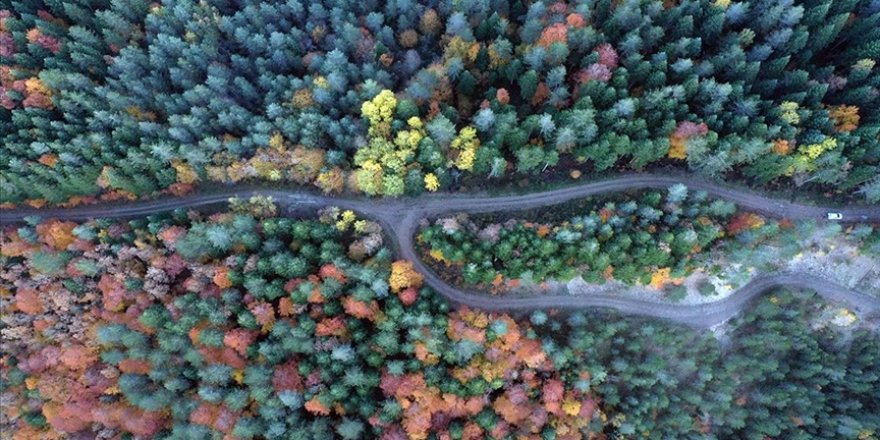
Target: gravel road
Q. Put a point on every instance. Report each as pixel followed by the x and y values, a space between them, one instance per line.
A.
pixel 400 218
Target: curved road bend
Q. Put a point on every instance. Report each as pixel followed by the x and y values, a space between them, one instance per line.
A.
pixel 699 316
pixel 401 216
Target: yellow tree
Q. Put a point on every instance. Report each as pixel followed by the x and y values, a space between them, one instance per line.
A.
pixel 369 178
pixel 379 111
pixel 466 143
pixel 331 180
pixel 431 182
pixel 385 159
pixel 404 276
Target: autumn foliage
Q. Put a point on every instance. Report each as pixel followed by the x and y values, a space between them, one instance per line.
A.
pixel 744 221
pixel 28 301
pixel 555 33
pixel 56 234
pixel 845 117
pixel 528 402
pixel 404 276
pixel 235 324
pixel 684 131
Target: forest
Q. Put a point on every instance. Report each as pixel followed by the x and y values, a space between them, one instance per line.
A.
pixel 648 238
pixel 630 238
pixel 124 98
pixel 250 325
pixel 273 220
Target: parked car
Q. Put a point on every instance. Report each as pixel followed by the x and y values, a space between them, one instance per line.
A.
pixel 835 216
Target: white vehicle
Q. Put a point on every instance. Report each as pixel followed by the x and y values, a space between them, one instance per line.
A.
pixel 835 216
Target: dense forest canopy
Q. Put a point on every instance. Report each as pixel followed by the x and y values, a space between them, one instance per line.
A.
pixel 244 322
pixel 644 238
pixel 128 97
pixel 672 240
pixel 185 326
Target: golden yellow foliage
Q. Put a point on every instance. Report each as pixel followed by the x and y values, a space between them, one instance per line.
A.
pixel 467 143
pixel 384 160
pixel 57 234
pixel 804 161
pixel 466 139
pixel 185 172
pixel 139 114
pixel 475 318
pixel 103 180
pixel 379 111
pixel 437 254
pixel 369 178
pixel 465 160
pixel 262 168
pixel 216 173
pixel 409 139
pixel 813 151
pixel 431 182
pixel 238 376
pixel 34 85
pixel 789 112
pixel 677 148
pixel 473 51
pixel 459 48
pixel 495 59
pixel 346 219
pixel 331 180
pixel 403 275
pixel 349 216
pixel 276 142
pixel 571 407
pixel 236 172
pixel 660 277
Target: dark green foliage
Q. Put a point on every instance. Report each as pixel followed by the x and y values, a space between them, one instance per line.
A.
pixel 779 375
pixel 125 88
pixel 707 289
pixel 676 293
pixel 632 235
pixel 206 359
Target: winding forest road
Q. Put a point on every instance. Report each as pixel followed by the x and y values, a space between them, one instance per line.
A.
pixel 401 217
